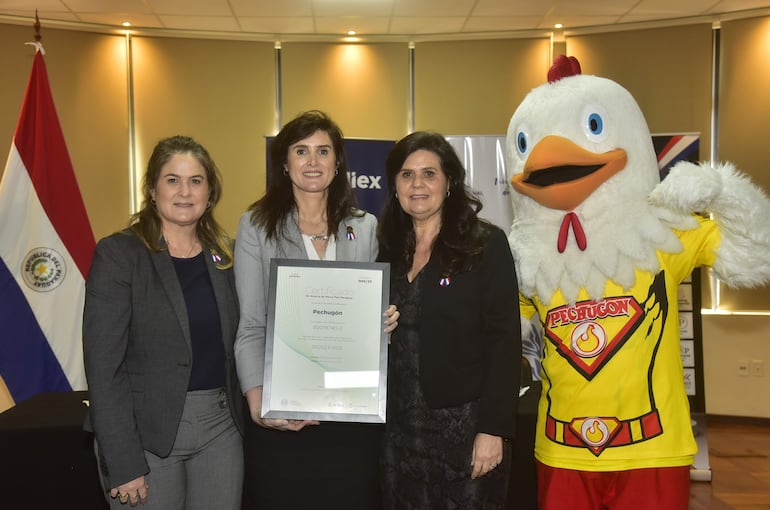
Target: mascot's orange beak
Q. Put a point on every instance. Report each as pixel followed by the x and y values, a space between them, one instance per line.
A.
pixel 560 175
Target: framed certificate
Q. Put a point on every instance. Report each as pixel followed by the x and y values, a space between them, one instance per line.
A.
pixel 325 350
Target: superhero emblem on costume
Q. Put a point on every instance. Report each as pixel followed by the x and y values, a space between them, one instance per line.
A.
pixel 595 432
pixel 588 333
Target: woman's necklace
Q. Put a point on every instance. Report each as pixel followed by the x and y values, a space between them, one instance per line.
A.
pixel 319 237
pixel 186 255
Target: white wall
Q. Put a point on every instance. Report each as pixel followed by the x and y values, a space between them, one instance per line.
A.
pixel 729 341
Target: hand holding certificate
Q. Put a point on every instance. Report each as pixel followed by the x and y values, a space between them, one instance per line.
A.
pixel 326 352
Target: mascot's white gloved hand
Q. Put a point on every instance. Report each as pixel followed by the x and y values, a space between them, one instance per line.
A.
pixel 740 209
pixel 688 188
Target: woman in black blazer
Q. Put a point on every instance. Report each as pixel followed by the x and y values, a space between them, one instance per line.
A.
pixel 454 359
pixel 160 318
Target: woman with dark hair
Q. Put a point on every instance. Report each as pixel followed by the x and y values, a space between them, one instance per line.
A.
pixel 308 212
pixel 159 325
pixel 454 360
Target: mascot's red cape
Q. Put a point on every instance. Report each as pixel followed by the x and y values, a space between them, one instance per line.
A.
pixel 601 246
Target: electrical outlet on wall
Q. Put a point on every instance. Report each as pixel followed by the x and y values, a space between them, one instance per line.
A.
pixel 757 367
pixel 743 368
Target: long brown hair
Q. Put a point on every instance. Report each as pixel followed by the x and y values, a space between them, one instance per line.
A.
pixel 461 240
pixel 146 223
pixel 273 210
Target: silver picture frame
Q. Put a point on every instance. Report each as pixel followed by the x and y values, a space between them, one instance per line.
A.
pixel 325 349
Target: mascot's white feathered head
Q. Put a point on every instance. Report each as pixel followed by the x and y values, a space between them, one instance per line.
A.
pixel 582 164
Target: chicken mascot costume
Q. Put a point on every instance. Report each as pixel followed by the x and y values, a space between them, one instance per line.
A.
pixel 601 245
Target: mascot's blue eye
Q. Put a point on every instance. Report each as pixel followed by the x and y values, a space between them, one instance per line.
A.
pixel 521 142
pixel 595 124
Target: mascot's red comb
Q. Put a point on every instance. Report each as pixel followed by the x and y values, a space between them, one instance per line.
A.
pixel 562 67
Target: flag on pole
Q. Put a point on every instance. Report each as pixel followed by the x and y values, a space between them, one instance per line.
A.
pixel 46 245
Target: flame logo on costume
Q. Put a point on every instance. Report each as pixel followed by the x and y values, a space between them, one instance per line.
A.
pixel 588 340
pixel 595 432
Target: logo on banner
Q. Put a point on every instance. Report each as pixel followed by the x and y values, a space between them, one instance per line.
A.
pixel 44 269
pixel 364 181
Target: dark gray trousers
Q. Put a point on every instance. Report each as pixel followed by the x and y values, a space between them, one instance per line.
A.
pixel 205 467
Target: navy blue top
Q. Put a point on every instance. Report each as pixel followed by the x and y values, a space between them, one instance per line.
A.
pixel 208 351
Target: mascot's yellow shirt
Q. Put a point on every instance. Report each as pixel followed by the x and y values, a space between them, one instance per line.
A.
pixel 613 385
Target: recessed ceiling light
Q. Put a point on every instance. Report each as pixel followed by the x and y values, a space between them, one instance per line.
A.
pixel 126 23
pixel 351 32
pixel 558 25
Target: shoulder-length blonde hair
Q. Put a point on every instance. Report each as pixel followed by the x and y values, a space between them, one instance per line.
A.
pixel 146 223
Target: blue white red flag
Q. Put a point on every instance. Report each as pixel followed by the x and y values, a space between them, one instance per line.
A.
pixel 46 245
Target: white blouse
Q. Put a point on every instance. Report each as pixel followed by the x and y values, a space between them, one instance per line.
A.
pixel 312 254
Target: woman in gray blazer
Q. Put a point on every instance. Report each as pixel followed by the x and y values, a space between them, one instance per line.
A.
pixel 307 213
pixel 160 318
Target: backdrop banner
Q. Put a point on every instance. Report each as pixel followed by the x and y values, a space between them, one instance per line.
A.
pixel 366 161
pixel 484 159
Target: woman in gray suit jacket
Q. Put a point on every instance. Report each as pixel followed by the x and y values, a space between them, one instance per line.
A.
pixel 307 213
pixel 160 318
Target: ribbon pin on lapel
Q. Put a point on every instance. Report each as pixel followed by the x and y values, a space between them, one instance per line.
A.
pixel 350 234
pixel 445 281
